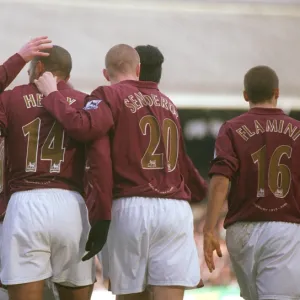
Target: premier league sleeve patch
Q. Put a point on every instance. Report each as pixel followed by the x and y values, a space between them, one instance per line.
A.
pixel 93 104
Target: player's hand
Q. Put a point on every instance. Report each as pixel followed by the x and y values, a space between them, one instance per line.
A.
pixel 47 83
pixel 211 244
pixel 97 239
pixel 35 48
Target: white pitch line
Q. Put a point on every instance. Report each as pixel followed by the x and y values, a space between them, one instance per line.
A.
pixel 193 8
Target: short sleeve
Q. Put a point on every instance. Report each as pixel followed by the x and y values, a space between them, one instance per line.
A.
pixel 225 162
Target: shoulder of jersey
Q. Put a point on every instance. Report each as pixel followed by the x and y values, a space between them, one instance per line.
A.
pixel 237 118
pixel 76 92
pixel 24 86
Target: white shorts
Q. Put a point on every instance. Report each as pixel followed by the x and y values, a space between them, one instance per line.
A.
pixel 45 232
pixel 50 292
pixel 151 242
pixel 265 258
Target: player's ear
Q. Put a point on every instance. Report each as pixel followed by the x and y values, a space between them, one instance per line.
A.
pixel 39 69
pixel 276 93
pixel 105 74
pixel 138 70
pixel 246 96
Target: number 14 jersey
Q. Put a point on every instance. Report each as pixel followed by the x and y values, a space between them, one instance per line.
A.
pixel 39 153
pixel 259 152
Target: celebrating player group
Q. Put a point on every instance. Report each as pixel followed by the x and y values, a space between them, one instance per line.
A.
pixel 109 171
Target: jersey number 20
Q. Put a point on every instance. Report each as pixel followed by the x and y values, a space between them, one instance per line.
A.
pixel 151 159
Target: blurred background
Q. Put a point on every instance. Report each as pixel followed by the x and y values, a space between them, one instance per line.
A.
pixel 208 47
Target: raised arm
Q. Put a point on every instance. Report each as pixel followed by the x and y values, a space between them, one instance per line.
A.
pixel 13 66
pixel 89 123
pixel 9 70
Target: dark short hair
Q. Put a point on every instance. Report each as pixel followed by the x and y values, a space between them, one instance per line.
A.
pixel 151 63
pixel 59 62
pixel 260 83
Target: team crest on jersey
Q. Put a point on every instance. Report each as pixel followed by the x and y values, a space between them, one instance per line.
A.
pixel 93 104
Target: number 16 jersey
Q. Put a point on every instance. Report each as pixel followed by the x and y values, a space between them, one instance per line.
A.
pixel 39 153
pixel 259 152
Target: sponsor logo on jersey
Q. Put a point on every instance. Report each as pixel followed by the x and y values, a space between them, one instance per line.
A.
pixel 93 104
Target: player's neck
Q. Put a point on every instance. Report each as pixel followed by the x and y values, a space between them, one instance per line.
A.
pixel 120 78
pixel 263 105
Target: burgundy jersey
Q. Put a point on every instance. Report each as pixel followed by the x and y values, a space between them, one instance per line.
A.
pixel 259 152
pixel 9 70
pixel 99 179
pixel 39 153
pixel 146 146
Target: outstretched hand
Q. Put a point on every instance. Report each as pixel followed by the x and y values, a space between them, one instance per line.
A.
pixel 97 239
pixel 211 244
pixel 35 48
pixel 46 84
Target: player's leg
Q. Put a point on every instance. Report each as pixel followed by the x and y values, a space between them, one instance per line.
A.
pixel 173 258
pixel 26 291
pixel 167 293
pixel 48 294
pixel 241 241
pixel 278 269
pixel 139 296
pixel 75 280
pixel 25 255
pixel 74 293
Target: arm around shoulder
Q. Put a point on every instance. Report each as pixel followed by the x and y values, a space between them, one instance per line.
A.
pixel 85 124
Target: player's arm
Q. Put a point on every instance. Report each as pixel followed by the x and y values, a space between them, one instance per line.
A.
pixel 101 179
pixel 224 166
pixel 89 123
pixel 99 198
pixel 13 66
pixel 4 98
pixel 10 69
pixel 194 181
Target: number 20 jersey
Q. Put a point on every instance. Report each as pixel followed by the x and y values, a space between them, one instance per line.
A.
pixel 259 152
pixel 147 145
pixel 39 153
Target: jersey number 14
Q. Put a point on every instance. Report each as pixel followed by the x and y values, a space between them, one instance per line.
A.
pixel 52 149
